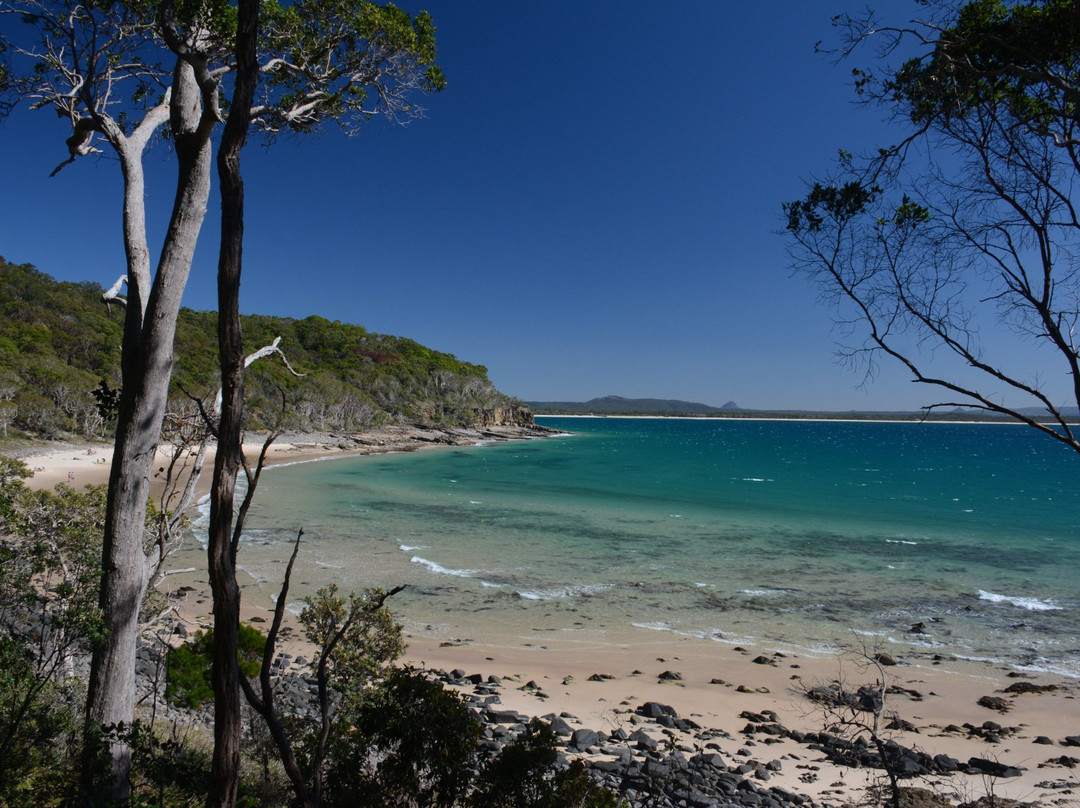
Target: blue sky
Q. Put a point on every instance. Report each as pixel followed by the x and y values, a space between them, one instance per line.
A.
pixel 590 208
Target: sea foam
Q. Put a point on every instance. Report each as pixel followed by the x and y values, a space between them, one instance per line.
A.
pixel 562 593
pixel 1031 604
pixel 438 569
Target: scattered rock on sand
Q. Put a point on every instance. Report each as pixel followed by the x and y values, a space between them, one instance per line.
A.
pixel 995 703
pixel 1029 687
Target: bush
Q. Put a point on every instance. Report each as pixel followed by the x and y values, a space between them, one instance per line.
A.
pixel 187 667
pixel 524 775
pixel 411 742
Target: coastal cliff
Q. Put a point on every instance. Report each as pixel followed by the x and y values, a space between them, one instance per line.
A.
pixel 517 415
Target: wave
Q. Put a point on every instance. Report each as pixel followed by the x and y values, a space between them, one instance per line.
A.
pixel 901 541
pixel 438 569
pixel 715 635
pixel 1031 604
pixel 562 593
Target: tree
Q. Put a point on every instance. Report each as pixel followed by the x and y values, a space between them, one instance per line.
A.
pixel 355 640
pixel 118 72
pixel 966 229
pixel 49 578
pixel 857 717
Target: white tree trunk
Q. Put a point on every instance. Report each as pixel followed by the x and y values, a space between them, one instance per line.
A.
pixel 150 327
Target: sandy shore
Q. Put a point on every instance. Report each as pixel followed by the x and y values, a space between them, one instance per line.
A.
pixel 600 684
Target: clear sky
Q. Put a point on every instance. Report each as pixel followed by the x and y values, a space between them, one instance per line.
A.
pixel 590 208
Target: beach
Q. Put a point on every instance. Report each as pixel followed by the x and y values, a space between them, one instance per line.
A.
pixel 715 685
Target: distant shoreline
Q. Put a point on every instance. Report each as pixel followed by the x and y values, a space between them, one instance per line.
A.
pixel 816 418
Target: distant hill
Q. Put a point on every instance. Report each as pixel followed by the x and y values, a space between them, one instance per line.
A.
pixel 618 405
pixel 59 343
pixel 610 405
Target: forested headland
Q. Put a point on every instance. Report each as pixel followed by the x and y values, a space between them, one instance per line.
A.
pixel 60 368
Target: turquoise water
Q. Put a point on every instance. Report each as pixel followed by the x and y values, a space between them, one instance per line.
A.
pixel 806 535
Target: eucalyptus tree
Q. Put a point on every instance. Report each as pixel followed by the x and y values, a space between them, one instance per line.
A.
pixel 118 72
pixel 967 227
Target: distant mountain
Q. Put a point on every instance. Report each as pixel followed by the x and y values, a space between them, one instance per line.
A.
pixel 610 405
pixel 618 405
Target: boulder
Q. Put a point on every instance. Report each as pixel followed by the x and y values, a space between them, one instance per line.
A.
pixel 992 768
pixel 582 739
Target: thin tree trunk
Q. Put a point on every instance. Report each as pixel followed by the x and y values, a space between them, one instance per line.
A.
pixel 146 367
pixel 225 675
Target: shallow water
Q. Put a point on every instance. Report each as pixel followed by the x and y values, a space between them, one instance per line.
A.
pixel 807 535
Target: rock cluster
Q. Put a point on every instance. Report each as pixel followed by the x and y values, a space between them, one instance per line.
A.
pixel 646 764
pixel 655 757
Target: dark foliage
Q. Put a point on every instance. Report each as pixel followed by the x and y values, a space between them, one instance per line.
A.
pixel 524 775
pixel 421 738
pixel 187 667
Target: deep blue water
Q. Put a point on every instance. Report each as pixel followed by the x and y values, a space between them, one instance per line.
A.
pixel 792 533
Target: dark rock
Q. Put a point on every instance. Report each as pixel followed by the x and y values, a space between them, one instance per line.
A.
pixel 654 709
pixel 756 718
pixel 1028 687
pixel 709 759
pixel 644 742
pixel 612 766
pixel 670 676
pixel 993 768
pixel 1042 739
pixel 1064 760
pixel 505 717
pixel 582 739
pixel 559 725
pixel 995 703
pixel 1072 740
pixel 946 764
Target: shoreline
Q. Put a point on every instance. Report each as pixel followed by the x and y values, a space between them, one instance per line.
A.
pixel 84 463
pixel 815 419
pixel 602 683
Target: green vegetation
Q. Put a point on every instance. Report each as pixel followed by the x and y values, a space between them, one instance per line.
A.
pixel 49 573
pixel 187 668
pixel 523 775
pixel 60 360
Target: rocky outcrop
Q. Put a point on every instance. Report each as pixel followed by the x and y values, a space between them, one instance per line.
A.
pixel 509 415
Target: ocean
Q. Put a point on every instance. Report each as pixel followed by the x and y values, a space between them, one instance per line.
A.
pixel 951 539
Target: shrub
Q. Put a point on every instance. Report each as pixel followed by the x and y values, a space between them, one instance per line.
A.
pixel 187 667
